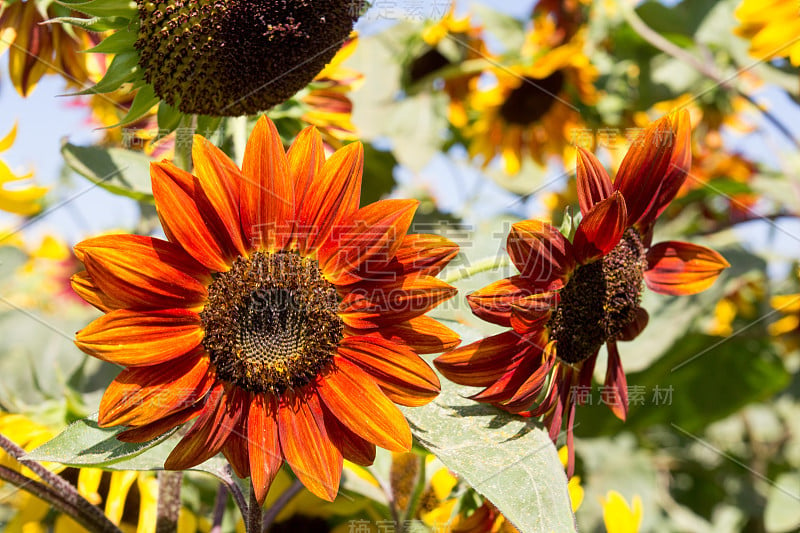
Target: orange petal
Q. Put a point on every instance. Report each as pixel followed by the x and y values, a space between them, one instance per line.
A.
pixel 482 362
pixel 308 449
pixel 422 334
pixel 331 197
pixel 189 219
pixel 353 448
pixel 130 338
pixel 370 305
pixel 373 233
pixel 219 177
pixel 155 429
pixel 264 446
pixel 400 373
pixel 205 439
pixel 678 268
pixel 542 255
pixel 601 229
pixel 306 157
pixel 236 445
pixel 85 287
pixel 358 403
pixel 266 192
pixel 418 254
pixel 655 167
pixel 593 182
pixel 493 302
pixel 143 272
pixel 144 394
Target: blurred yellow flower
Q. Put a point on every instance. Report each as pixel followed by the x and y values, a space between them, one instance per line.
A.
pixel 17 199
pixel 772 27
pixel 618 516
pixel 574 485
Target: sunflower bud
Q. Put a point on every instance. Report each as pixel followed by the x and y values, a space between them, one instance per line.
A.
pixel 237 57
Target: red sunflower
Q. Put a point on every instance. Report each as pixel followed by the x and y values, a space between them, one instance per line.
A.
pixel 571 298
pixel 281 317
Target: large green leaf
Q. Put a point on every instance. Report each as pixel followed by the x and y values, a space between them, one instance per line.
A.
pixel 120 171
pixel 509 460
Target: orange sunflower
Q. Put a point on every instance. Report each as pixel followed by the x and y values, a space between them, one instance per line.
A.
pixel 571 298
pixel 279 315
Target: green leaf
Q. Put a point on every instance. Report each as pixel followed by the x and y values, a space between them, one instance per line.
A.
pixel 168 117
pixel 499 455
pixel 119 171
pixel 98 24
pixel 699 380
pixel 106 8
pixel 143 102
pixel 123 68
pixel 116 43
pixel 378 180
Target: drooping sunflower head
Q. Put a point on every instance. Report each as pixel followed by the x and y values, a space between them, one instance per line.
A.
pixel 236 57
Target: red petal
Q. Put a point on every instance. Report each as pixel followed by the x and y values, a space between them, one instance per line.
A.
pixel 633 329
pixel 85 287
pixel 481 363
pixel 353 448
pixel 493 302
pixel 418 254
pixel 370 305
pixel 143 272
pixel 331 197
pixel 615 394
pixel 655 167
pixel 542 255
pixel 593 182
pixel 400 373
pixel 305 158
pixel 422 334
pixel 601 229
pixel 219 177
pixel 155 429
pixel 144 394
pixel 264 446
pixel 205 439
pixel 129 338
pixel 235 448
pixel 189 219
pixel 679 268
pixel 267 193
pixel 373 233
pixel 355 399
pixel 307 447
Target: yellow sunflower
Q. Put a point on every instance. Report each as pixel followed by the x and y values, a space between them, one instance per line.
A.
pixel 531 112
pixel 21 200
pixel 283 319
pixel 772 27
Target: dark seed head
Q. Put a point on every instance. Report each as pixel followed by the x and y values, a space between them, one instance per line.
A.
pixel 271 323
pixel 599 301
pixel 237 57
pixel 530 101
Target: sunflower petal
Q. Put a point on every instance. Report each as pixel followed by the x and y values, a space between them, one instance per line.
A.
pixel 373 233
pixel 207 436
pixel 493 303
pixel 655 167
pixel 332 196
pixel 155 429
pixel 422 334
pixel 601 229
pixel 308 449
pixel 264 446
pixel 542 255
pixel 130 338
pixel 266 192
pixel 85 287
pixel 143 272
pixel 306 157
pixel 141 395
pixel 236 447
pixel 401 374
pixel 482 362
pixel 615 393
pixel 593 182
pixel 353 448
pixel 680 268
pixel 355 399
pixel 188 217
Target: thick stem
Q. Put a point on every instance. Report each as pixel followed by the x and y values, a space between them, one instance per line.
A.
pixel 183 143
pixel 60 486
pixel 275 509
pixel 253 517
pixel 49 495
pixel 169 501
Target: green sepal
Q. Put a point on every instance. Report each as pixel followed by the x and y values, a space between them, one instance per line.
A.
pixel 105 8
pixel 168 118
pixel 144 100
pixel 123 68
pixel 98 24
pixel 118 42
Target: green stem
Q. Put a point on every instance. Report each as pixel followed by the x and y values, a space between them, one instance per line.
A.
pixel 169 501
pixel 183 143
pixel 483 265
pixel 253 519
